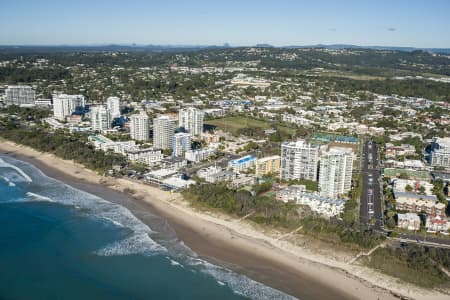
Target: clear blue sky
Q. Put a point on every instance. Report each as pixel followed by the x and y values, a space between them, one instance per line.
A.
pixel 416 23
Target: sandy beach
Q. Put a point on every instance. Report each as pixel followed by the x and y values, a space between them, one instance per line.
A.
pixel 280 263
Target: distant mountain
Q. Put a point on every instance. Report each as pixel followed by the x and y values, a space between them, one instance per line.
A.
pixel 178 48
pixel 393 48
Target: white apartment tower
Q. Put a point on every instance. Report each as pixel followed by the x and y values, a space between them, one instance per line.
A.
pixel 335 174
pixel 139 126
pixel 163 132
pixel 191 119
pixel 100 118
pixel 299 160
pixel 64 105
pixel 19 95
pixel 113 105
pixel 181 143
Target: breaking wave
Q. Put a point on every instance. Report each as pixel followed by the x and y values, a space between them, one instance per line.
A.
pixel 139 240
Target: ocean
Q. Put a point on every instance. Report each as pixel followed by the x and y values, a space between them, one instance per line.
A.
pixel 58 242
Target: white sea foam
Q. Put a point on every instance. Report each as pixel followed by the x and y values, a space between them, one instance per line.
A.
pixel 9 182
pixel 4 164
pixel 38 197
pixel 174 262
pixel 139 240
pixel 240 284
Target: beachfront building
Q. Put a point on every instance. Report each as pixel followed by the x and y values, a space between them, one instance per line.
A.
pixel 100 118
pixel 191 119
pixel 299 160
pixel 214 174
pixel 148 156
pixel 21 95
pixel 181 143
pixel 335 175
pixel 267 165
pixel 241 181
pixel 326 206
pixel 163 132
pixel 139 126
pixel 65 105
pixel 408 221
pixel 440 152
pixel 113 105
pixel 199 154
pixel 242 164
pixel 290 193
pixel 101 142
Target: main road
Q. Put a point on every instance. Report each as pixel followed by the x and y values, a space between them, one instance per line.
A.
pixel 370 201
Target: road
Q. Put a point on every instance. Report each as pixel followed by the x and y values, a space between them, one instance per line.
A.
pixel 420 240
pixel 370 201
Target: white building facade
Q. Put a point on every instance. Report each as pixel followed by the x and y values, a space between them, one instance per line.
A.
pixel 440 152
pixel 181 143
pixel 191 119
pixel 335 175
pixel 113 105
pixel 299 160
pixel 163 132
pixel 22 95
pixel 139 126
pixel 65 105
pixel 100 118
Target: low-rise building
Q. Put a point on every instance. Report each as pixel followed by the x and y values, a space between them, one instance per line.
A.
pixel 242 164
pixel 242 181
pixel 214 174
pixel 267 165
pixel 103 143
pixel 291 193
pixel 148 156
pixel 437 223
pixel 323 205
pixel 393 151
pixel 409 221
pixel 416 203
pixel 173 163
pixel 414 186
pixel 199 154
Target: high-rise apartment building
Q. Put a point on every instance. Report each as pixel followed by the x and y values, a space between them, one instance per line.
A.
pixel 299 160
pixel 191 119
pixel 335 173
pixel 113 105
pixel 181 143
pixel 65 105
pixel 21 95
pixel 139 126
pixel 100 118
pixel 440 152
pixel 163 132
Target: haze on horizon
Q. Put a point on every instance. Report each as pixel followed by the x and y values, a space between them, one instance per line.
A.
pixel 414 23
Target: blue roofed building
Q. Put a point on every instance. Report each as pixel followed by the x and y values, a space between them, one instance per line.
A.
pixel 242 164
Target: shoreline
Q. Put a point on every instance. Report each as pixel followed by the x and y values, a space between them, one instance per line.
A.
pixel 222 242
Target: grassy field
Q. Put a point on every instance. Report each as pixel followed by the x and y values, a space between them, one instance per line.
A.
pixel 233 124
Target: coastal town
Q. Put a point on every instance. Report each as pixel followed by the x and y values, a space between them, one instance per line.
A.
pixel 298 148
